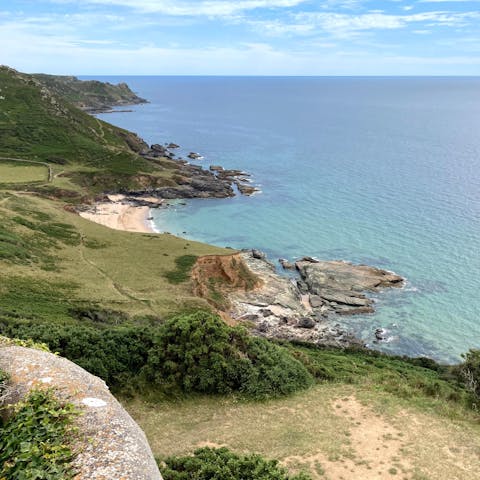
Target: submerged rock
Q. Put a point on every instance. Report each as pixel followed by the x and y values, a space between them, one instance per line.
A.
pixel 286 265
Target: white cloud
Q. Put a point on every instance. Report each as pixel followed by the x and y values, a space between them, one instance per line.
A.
pixel 67 54
pixel 344 25
pixel 212 8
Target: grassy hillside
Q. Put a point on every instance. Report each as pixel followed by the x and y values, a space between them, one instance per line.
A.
pixel 90 155
pixel 89 95
pixel 53 261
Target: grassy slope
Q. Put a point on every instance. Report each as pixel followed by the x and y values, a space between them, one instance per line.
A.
pixel 92 155
pixel 52 260
pixel 335 432
pixel 92 94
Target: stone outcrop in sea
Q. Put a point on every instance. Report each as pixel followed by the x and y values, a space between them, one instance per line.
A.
pixel 304 309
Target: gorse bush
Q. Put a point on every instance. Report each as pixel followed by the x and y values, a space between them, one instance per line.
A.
pixel 191 353
pixel 222 464
pixel 115 354
pixel 34 442
pixel 200 353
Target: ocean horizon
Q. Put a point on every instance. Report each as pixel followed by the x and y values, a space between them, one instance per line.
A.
pixel 376 170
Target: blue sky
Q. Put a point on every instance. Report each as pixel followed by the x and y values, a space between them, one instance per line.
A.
pixel 242 37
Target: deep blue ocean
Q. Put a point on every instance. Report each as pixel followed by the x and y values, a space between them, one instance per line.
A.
pixel 384 171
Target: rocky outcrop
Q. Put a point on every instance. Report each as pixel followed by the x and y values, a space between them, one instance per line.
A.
pixel 276 308
pixel 338 286
pixel 305 308
pixel 109 445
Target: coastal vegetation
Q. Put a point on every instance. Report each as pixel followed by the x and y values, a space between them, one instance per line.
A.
pixel 138 310
pixel 36 438
pixel 91 95
pixel 222 464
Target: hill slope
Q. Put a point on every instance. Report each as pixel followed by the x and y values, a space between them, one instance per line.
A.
pixel 89 95
pixel 91 156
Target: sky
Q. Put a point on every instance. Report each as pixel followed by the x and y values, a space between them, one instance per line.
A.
pixel 241 37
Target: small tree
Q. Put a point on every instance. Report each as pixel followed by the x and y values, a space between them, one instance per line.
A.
pixel 470 371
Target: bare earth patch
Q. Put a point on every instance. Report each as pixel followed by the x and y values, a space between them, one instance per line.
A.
pixel 374 452
pixel 331 432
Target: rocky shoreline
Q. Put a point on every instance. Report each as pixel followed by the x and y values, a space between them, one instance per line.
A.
pixel 305 309
pixel 194 181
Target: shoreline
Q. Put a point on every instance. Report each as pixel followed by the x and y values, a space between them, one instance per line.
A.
pixel 118 214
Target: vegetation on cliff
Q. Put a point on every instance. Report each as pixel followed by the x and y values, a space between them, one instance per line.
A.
pixel 200 353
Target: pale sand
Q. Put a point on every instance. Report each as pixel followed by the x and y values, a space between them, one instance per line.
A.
pixel 120 216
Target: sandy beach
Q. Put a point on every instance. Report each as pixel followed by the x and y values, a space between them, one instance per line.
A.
pixel 120 216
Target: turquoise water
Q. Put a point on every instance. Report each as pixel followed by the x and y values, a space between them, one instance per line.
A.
pixel 378 170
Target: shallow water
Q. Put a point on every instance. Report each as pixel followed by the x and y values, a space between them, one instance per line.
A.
pixel 384 171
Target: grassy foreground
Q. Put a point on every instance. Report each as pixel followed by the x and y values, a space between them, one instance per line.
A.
pixel 336 432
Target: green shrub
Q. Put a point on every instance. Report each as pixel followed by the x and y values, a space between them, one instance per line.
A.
pixel 200 353
pixel 34 442
pixel 115 354
pixel 222 464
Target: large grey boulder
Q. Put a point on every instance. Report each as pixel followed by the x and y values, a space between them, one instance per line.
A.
pixel 110 445
pixel 344 276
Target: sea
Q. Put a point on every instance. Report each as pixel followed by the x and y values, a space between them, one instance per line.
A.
pixel 378 170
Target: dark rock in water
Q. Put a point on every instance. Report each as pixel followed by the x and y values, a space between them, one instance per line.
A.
pixel 259 255
pixel 381 334
pixel 156 147
pixel 339 284
pixel 350 310
pixel 216 168
pixel 309 259
pixel 338 275
pixel 306 322
pixel 246 189
pixel 194 156
pixel 286 265
pixel 173 145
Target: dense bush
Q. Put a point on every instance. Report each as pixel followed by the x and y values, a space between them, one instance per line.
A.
pixel 221 464
pixel 115 354
pixel 200 353
pixel 194 353
pixel 34 442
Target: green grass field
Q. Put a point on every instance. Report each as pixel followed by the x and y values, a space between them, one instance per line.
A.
pixel 21 172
